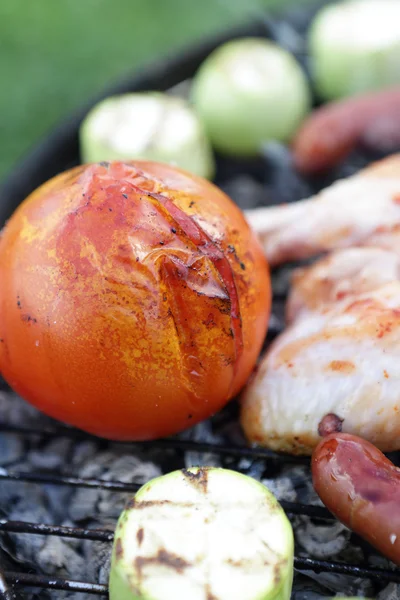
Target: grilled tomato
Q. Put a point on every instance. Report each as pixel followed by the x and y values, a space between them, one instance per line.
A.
pixel 134 299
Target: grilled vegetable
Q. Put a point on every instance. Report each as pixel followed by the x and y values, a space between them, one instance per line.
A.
pixel 355 47
pixel 334 130
pixel 361 487
pixel 134 299
pixel 202 533
pixel 249 91
pixel 151 126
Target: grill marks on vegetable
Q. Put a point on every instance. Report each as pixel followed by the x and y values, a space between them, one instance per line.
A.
pixel 163 558
pixel 199 480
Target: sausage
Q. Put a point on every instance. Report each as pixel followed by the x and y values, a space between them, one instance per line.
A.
pixel 361 487
pixel 332 131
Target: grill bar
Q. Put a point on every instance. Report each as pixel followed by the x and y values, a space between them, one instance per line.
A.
pixel 96 535
pixel 104 535
pixel 319 566
pixel 44 478
pixel 301 564
pixel 5 592
pixel 167 444
pixel 294 508
pixel 54 583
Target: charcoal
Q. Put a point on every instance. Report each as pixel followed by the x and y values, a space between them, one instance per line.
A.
pixel 90 503
pixel 202 432
pixel 57 557
pixel 83 452
pixel 52 456
pixel 246 192
pixel 11 449
pixel 19 412
pixel 98 555
pixel 391 592
pixel 322 541
pixel 57 498
pixel 283 183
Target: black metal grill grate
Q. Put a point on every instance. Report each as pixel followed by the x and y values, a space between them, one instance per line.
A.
pixel 9 579
pixel 274 176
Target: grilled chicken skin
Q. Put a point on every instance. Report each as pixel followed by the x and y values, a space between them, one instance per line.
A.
pixel 351 212
pixel 342 361
pixel 337 363
pixel 341 275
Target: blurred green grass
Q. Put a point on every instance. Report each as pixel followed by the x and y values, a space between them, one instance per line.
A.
pixel 55 54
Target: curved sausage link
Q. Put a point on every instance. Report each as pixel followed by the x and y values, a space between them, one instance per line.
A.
pixel 361 487
pixel 332 131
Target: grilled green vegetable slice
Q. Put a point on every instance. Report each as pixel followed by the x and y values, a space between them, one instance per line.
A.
pixel 149 126
pixel 202 533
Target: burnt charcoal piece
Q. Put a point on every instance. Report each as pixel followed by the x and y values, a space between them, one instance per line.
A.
pixel 11 449
pixel 246 192
pixel 283 183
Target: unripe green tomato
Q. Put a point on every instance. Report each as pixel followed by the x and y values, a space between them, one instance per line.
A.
pixel 355 47
pixel 248 92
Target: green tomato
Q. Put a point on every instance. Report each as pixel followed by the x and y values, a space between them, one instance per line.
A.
pixel 202 532
pixel 248 92
pixel 355 47
pixel 148 126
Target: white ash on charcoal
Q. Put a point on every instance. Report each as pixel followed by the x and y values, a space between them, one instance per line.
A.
pixel 98 504
pixel 15 412
pixel 12 449
pixel 62 505
pixel 392 592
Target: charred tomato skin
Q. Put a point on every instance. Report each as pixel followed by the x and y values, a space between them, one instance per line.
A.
pixel 134 299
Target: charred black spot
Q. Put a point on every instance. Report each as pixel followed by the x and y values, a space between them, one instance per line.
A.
pixel 172 560
pixel 209 594
pixel 199 479
pixel 125 196
pixel 330 423
pixel 131 503
pixel 192 203
pixel 164 558
pixel 18 303
pixel 209 322
pixel 119 551
pixel 242 266
pixel 173 230
pixel 28 319
pixel 161 243
pixel 110 209
pixel 223 305
pixel 277 573
pixel 140 536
